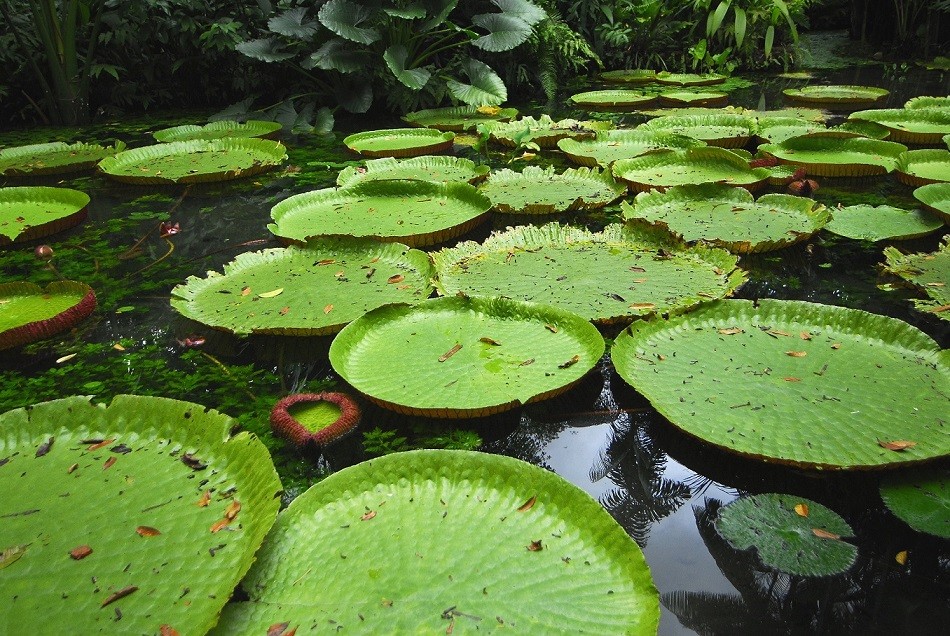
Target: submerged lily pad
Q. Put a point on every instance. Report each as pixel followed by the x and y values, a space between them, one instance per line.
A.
pixel 416 213
pixel 464 357
pixel 663 169
pixel 928 272
pixel 706 99
pixel 29 213
pixel 399 142
pixel 788 533
pixel 127 510
pixel 197 161
pixel 501 529
pixel 425 168
pixel 831 155
pixel 837 96
pixel 544 131
pixel 921 500
pixel 320 287
pixel 923 167
pixel 29 312
pixel 218 130
pixel 925 126
pixel 611 145
pixel 615 101
pixel 730 217
pixel 794 382
pixel 689 79
pixel 723 130
pixel 53 158
pixel 606 277
pixel 880 223
pixel 544 191
pixel 629 76
pixel 936 198
pixel 458 118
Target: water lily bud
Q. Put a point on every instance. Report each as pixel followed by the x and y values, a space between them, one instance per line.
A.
pixel 43 252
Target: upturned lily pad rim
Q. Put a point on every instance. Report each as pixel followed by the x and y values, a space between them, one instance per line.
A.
pixel 530 178
pixel 616 100
pixel 936 198
pixel 629 76
pixel 70 205
pixel 217 130
pixel 408 142
pixel 922 167
pixel 586 153
pixel 456 118
pixel 83 156
pixel 689 79
pixel 729 162
pixel 545 131
pixel 921 126
pixel 851 222
pixel 876 156
pixel 379 168
pixel 848 94
pixel 707 128
pixel 286 425
pixel 694 98
pixel 47 326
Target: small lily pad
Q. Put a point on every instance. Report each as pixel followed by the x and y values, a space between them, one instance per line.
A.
pixel 544 191
pixel 29 312
pixel 922 126
pixel 928 272
pixel 936 198
pixel 29 213
pixel 923 167
pixel 831 155
pixel 705 99
pixel 53 158
pixel 629 76
pixel 666 168
pixel 880 223
pixel 615 101
pixel 458 118
pixel 689 79
pixel 424 168
pixel 399 142
pixel 544 131
pixel 611 145
pixel 218 130
pixel 789 534
pixel 847 97
pixel 723 130
pixel 921 500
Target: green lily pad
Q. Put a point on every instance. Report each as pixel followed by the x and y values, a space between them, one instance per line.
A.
pixel 831 155
pixel 723 130
pixel 501 529
pixel 53 158
pixel 921 500
pixel 544 191
pixel 416 213
pixel 936 198
pixel 923 167
pixel 922 126
pixel 30 213
pixel 793 382
pixel 611 145
pixel 544 131
pixel 928 272
pixel 689 79
pixel 881 223
pixel 615 101
pixel 927 101
pixel 730 217
pixel 705 99
pixel 218 130
pixel 128 542
pixel 425 168
pixel 785 539
pixel 863 128
pixel 322 287
pixel 666 168
pixel 836 96
pixel 29 312
pixel 464 357
pixel 458 118
pixel 399 142
pixel 198 161
pixel 629 76
pixel 606 277
pixel 775 130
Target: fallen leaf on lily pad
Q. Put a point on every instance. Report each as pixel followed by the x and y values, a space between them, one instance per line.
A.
pixel 147 531
pixel 896 445
pixel 801 509
pixel 12 554
pixel 273 293
pixel 824 534
pixel 528 504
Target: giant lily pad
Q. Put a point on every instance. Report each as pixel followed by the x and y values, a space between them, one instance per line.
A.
pixel 399 142
pixel 794 382
pixel 928 272
pixel 925 126
pixel 788 533
pixel 29 312
pixel 611 145
pixel 470 539
pixel 730 217
pixel 544 191
pixel 923 167
pixel 544 131
pixel 936 198
pixel 53 158
pixel 723 130
pixel 629 76
pixel 458 118
pixel 831 155
pixel 31 213
pixel 836 96
pixel 615 101
pixel 606 277
pixel 195 161
pixel 416 213
pixel 425 168
pixel 928 101
pixel 218 130
pixel 124 512
pixel 689 79
pixel 921 500
pixel 705 99
pixel 884 222
pixel 777 129
pixel 464 357
pixel 303 291
pixel 663 169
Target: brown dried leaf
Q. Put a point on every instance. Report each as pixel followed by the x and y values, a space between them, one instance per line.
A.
pixel 527 362
pixel 118 347
pixel 284 310
pixel 642 306
pixel 45 447
pixel 451 352
pixel 777 332
pixel 366 516
pixel 245 290
pixel 824 534
pixel 115 596
pixel 232 510
pixel 147 531
pixel 836 345
pixel 396 278
pixel 109 462
pixel 939 308
pixel 12 554
pixel 279 629
pixel 805 335
pixel 796 354
pixel 896 445
pixel 901 557
pixel 801 509
pixel 528 505
pixel 574 360
pixel 80 552
pixel 731 331
pixel 72 469
pixel 535 546
pixel 490 341
pixel 167 630
pixel 328 309
pixel 326 261
pixel 219 525
pixel 792 379
pixel 205 499
pixel 101 444
pixel 551 328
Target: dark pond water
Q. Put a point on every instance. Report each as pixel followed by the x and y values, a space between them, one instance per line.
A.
pixel 660 485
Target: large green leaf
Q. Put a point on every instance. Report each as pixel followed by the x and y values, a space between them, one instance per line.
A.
pixel 320 287
pixel 29 213
pixel 544 131
pixel 722 129
pixel 615 101
pixel 196 161
pixel 413 212
pixel 936 198
pixel 399 142
pixel 836 96
pixel 133 503
pixel 53 158
pixel 218 130
pixel 424 168
pixel 776 129
pixel 611 145
pixel 537 190
pixel 524 9
pixel 794 382
pixel 629 76
pixel 883 222
pixel 928 272
pixel 606 277
pixel 920 499
pixel 706 99
pixel 833 155
pixel 927 101
pixel 395 57
pixel 505 32
pixel 29 312
pixel 432 541
pixel 925 126
pixel 458 118
pixel 264 49
pixel 291 23
pixel 350 20
pixel 782 530
pixel 730 217
pixel 923 167
pixel 485 88
pixel 464 357
pixel 666 168
pixel 337 54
